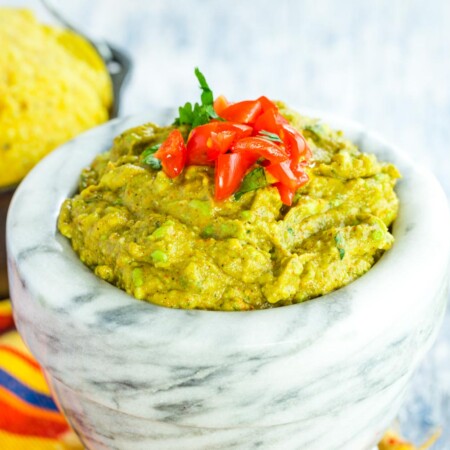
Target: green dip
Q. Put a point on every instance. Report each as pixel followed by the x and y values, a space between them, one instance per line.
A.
pixel 168 242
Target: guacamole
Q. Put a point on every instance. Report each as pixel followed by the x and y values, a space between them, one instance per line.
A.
pixel 167 241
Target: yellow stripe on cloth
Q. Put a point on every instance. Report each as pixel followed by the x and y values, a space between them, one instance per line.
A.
pixel 20 368
pixel 9 441
pixel 5 307
pixel 13 339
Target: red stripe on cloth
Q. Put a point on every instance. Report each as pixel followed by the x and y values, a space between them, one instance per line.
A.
pixel 6 322
pixel 15 421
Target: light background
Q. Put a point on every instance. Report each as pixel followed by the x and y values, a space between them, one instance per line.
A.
pixel 385 63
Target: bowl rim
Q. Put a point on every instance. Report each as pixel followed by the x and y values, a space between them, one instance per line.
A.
pixel 109 308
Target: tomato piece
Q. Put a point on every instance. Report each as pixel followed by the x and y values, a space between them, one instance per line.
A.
pixel 302 178
pixel 241 129
pixel 197 145
pixel 267 104
pixel 271 120
pixel 220 143
pixel 223 140
pixel 263 147
pixel 220 104
pixel 286 193
pixel 246 111
pixel 249 159
pixel 284 174
pixel 230 171
pixel 172 154
pixel 200 145
pixel 295 143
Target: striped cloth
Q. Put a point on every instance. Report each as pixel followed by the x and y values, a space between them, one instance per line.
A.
pixel 29 417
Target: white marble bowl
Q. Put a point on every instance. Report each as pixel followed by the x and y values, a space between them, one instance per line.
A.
pixel 326 374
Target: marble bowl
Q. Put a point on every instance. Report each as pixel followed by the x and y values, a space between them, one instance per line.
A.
pixel 326 374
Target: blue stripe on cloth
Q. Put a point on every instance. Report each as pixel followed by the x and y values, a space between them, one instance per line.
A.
pixel 25 393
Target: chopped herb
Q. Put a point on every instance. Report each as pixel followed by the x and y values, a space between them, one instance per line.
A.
pixel 271 136
pixel 198 114
pixel 207 94
pixel 253 180
pixel 339 239
pixel 212 112
pixel 208 231
pixel 186 114
pixel 291 231
pixel 340 242
pixel 147 157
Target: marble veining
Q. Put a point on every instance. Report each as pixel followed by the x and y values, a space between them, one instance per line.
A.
pixel 132 375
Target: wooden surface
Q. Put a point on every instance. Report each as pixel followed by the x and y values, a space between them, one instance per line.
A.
pixel 385 63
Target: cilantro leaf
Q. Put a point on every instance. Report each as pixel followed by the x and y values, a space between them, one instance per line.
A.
pixel 271 136
pixel 211 112
pixel 255 179
pixel 198 114
pixel 207 94
pixel 147 157
pixel 186 114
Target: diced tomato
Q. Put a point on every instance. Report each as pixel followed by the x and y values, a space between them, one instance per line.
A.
pixel 249 159
pixel 223 140
pixel 298 169
pixel 200 145
pixel 267 104
pixel 220 104
pixel 263 147
pixel 295 143
pixel 301 175
pixel 249 133
pixel 172 154
pixel 246 111
pixel 197 149
pixel 230 171
pixel 241 129
pixel 220 143
pixel 283 173
pixel 286 193
pixel 271 121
